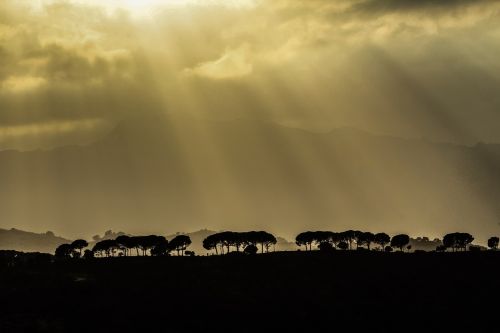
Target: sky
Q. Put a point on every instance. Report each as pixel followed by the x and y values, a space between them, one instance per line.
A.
pixel 76 73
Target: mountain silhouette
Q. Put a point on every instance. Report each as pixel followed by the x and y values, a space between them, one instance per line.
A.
pixel 166 174
pixel 14 239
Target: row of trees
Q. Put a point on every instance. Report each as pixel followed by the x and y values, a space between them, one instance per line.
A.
pixel 324 240
pixel 125 246
pixel 249 241
pixel 345 240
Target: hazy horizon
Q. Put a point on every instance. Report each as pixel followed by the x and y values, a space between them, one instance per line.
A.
pixel 282 115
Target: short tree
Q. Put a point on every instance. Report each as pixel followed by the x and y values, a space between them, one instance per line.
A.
pixel 64 251
pixel 493 243
pixel 250 249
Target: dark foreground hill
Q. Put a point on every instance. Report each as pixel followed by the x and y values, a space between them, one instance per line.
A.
pixel 281 292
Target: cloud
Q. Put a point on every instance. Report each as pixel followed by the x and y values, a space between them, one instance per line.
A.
pixel 314 63
pixel 234 63
pixel 20 84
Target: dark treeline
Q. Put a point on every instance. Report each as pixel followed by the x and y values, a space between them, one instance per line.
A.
pixel 126 246
pixel 248 241
pixel 251 242
pixel 328 240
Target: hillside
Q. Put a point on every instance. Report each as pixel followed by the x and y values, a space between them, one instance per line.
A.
pixel 19 240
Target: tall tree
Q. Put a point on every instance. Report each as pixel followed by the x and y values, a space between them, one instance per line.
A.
pixel 400 241
pixel 382 239
pixel 79 244
pixel 305 239
pixel 365 239
pixel 180 243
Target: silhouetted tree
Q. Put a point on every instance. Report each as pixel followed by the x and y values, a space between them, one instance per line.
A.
pixel 440 248
pixel 125 243
pixel 180 243
pixel 161 247
pixel 211 243
pixel 388 249
pixel 382 239
pixel 250 249
pixel 88 254
pixel 107 246
pixel 408 248
pixel 365 239
pixel 493 243
pixel 79 244
pixel 306 239
pixel 400 241
pixel 349 236
pixel 457 240
pixel 64 251
pixel 325 247
pixel 267 240
pixel 343 245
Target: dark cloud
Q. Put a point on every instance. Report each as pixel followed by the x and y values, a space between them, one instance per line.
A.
pixel 383 6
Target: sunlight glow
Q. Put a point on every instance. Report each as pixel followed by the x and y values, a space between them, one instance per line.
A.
pixel 148 7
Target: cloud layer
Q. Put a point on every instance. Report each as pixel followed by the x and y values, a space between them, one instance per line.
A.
pixel 402 67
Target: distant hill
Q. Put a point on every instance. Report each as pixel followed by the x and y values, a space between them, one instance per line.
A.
pixel 25 241
pixel 164 175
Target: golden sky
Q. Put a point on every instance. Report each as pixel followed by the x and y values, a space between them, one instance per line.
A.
pixel 72 71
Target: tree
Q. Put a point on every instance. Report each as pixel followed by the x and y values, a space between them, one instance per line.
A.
pixel 180 243
pixel 440 248
pixel 457 240
pixel 382 239
pixel 493 243
pixel 210 243
pixel 325 247
pixel 107 246
pixel 88 254
pixel 79 244
pixel 400 241
pixel 267 240
pixel 64 251
pixel 343 245
pixel 408 248
pixel 388 249
pixel 126 243
pixel 349 236
pixel 305 239
pixel 250 249
pixel 161 247
pixel 365 239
